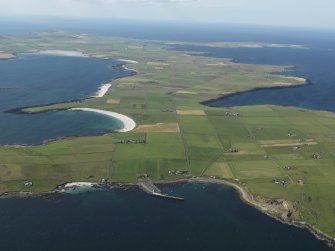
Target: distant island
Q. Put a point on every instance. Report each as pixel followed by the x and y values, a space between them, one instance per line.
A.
pixel 272 155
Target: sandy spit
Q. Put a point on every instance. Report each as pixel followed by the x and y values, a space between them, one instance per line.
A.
pixel 128 61
pixel 63 53
pixel 129 123
pixel 102 90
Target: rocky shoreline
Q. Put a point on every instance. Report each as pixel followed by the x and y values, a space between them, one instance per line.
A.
pixel 277 209
pixel 274 208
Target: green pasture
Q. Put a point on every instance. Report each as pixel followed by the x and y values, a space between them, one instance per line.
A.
pixel 168 81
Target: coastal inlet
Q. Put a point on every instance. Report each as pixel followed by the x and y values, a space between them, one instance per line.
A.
pixel 73 77
pixel 211 216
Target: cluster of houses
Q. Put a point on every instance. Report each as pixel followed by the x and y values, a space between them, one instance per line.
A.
pixel 170 110
pixel 104 180
pixel 131 141
pixel 288 167
pixel 231 150
pixel 28 183
pixel 283 183
pixel 144 175
pixel 232 114
pixel 179 172
pixel 316 156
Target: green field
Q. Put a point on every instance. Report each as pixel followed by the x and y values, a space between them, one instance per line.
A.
pixel 273 143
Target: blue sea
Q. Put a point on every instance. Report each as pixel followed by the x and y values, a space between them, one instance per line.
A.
pixel 33 79
pixel 314 63
pixel 212 217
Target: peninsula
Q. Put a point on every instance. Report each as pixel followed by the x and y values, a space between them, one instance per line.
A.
pixel 280 158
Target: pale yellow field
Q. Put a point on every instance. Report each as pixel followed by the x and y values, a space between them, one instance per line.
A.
pixel 159 127
pixel 113 101
pixel 312 143
pixel 191 112
pixel 220 169
pixel 186 92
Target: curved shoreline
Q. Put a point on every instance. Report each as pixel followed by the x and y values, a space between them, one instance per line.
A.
pixel 210 102
pixel 248 198
pixel 129 123
pixel 243 194
pixel 103 89
pixel 127 61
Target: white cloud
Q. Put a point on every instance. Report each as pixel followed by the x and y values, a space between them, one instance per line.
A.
pixel 146 1
pixel 284 12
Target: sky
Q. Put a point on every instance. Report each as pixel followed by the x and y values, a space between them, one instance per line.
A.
pixel 295 13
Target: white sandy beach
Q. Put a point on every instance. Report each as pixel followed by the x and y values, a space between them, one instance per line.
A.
pixel 129 69
pixel 129 123
pixel 128 61
pixel 78 184
pixel 63 53
pixel 102 90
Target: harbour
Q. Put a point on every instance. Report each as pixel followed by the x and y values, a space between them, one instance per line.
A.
pixel 150 188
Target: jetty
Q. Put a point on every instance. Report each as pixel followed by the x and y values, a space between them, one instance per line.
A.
pixel 150 188
pixel 166 196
